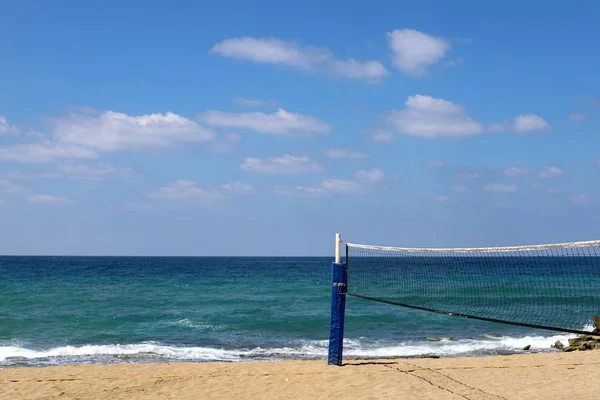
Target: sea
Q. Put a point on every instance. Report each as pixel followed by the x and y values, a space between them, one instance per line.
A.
pixel 89 310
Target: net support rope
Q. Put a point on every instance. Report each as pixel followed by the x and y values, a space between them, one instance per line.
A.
pixel 570 245
pixel 536 286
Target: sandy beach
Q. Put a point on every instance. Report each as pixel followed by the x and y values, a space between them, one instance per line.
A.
pixel 546 376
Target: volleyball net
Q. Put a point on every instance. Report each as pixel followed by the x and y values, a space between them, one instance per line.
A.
pixel 553 287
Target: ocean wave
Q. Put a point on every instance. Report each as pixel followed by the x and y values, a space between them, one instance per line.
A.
pixel 308 349
pixel 203 326
pixel 464 347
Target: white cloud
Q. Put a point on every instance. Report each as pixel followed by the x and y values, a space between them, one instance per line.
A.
pixel 238 188
pixel 373 175
pixel 345 153
pixel 94 172
pixel 332 186
pixel 526 123
pixel 581 200
pixel 113 131
pixel 46 199
pixel 371 71
pixel 279 52
pixel 280 122
pixel 271 51
pixel 226 144
pixel 577 117
pixel 44 152
pixel 242 101
pixel 498 187
pixel 5 128
pixel 184 189
pixel 551 173
pixel 327 188
pixel 460 188
pixel 300 191
pixel 343 186
pixel 428 117
pixel 7 186
pixel 382 135
pixel 281 165
pixel 514 171
pixel 435 164
pixel 414 51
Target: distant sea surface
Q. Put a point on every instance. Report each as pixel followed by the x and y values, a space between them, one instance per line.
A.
pixel 65 310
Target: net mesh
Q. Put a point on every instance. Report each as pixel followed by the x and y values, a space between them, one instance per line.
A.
pixel 554 287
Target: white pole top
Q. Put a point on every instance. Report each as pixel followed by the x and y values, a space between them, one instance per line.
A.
pixel 338 242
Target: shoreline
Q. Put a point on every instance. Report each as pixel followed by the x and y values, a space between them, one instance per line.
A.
pixel 556 375
pixel 124 360
pixel 16 356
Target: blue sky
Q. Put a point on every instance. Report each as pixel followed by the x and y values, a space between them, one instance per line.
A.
pixel 262 128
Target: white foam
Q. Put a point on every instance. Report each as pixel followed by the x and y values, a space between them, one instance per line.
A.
pixel 459 347
pixel 204 326
pixel 197 353
pixel 589 327
pixel 313 349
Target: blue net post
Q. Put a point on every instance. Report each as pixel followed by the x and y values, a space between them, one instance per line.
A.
pixel 339 280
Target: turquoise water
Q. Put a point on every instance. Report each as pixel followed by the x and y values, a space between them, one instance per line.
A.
pixel 62 310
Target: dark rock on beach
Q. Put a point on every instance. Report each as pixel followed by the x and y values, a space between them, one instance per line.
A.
pixel 583 342
pixel 527 347
pixel 558 345
pixel 429 356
